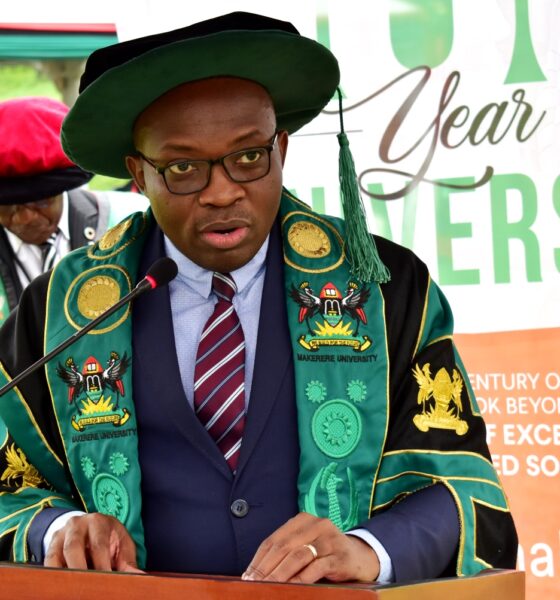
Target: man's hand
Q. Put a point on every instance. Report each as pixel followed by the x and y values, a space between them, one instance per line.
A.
pixel 93 541
pixel 284 555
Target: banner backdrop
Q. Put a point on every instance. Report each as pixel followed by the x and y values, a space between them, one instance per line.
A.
pixel 451 109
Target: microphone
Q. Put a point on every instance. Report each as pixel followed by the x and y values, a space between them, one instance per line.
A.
pixel 160 273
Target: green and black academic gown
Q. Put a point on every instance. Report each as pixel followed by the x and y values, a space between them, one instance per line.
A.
pixel 384 405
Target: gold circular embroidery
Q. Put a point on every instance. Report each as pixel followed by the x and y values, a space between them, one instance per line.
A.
pixel 123 283
pixel 335 239
pixel 98 294
pixel 113 236
pixel 309 240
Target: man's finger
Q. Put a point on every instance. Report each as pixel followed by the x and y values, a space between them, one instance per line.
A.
pixel 98 549
pixel 55 556
pixel 344 558
pixel 270 552
pixel 124 558
pixel 92 541
pixel 325 567
pixel 293 563
pixel 73 547
pixel 290 537
pixel 269 555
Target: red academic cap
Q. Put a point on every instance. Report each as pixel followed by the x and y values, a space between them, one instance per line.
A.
pixel 33 165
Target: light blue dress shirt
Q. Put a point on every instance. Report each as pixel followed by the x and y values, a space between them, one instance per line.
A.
pixel 192 304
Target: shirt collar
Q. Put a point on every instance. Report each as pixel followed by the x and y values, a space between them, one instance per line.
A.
pixel 15 242
pixel 200 279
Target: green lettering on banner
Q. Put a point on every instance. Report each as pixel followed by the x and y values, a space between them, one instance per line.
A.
pixel 556 205
pixel 503 230
pixel 446 232
pixel 323 30
pixel 421 31
pixel 380 212
pixel 318 200
pixel 524 66
pixel 381 216
pixel 318 203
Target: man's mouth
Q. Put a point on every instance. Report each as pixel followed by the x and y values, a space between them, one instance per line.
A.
pixel 224 236
pixel 225 231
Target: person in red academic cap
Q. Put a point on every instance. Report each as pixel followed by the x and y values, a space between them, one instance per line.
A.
pixel 44 213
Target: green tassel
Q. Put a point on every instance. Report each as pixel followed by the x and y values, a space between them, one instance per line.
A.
pixel 365 263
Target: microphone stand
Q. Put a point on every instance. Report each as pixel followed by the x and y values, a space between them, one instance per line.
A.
pixel 142 286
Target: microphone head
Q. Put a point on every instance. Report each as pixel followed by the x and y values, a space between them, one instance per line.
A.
pixel 162 272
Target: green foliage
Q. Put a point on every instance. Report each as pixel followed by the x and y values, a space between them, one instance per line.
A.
pixel 17 80
pixel 102 183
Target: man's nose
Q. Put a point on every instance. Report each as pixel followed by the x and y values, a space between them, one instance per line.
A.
pixel 221 189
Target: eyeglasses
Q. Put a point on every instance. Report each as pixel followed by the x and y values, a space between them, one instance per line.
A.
pixel 185 176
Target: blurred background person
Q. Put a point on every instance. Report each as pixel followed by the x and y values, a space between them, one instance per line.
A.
pixel 44 210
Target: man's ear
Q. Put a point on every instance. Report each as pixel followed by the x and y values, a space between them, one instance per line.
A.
pixel 136 170
pixel 282 141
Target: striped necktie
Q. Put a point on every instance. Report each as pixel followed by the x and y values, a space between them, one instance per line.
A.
pixel 48 250
pixel 219 374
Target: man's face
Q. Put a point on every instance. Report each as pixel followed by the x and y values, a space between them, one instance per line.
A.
pixel 32 222
pixel 222 226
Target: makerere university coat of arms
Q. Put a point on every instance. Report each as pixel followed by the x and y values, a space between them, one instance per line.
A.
pixel 325 315
pixel 93 381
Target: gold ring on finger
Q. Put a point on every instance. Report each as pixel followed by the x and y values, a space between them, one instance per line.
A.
pixel 312 549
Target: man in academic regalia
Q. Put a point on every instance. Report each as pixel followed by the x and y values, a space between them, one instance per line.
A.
pixel 292 407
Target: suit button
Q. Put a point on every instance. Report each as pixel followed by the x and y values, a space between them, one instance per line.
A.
pixel 239 508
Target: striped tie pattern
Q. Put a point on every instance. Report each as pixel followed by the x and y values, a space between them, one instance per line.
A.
pixel 219 374
pixel 48 251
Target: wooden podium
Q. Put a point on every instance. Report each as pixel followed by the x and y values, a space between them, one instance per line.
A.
pixel 24 582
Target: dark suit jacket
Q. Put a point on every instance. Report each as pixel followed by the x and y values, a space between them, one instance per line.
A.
pixel 84 210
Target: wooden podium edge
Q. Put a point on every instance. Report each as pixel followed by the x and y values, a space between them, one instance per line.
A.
pixel 27 582
pixel 495 584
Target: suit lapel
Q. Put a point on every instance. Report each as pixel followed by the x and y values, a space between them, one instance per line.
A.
pixel 8 272
pixel 154 344
pixel 273 355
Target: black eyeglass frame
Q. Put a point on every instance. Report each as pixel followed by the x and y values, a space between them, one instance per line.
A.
pixel 211 162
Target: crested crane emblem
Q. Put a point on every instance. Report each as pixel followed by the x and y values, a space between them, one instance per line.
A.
pixel 94 381
pixel 440 398
pixel 332 318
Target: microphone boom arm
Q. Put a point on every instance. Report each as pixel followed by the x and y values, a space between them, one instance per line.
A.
pixel 166 270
